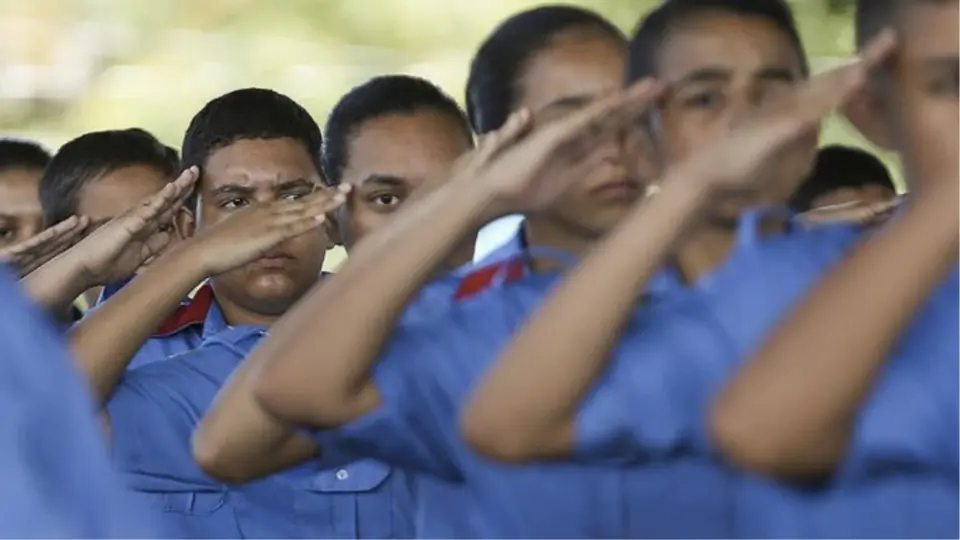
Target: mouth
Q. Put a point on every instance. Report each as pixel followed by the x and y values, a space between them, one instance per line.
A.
pixel 619 190
pixel 275 260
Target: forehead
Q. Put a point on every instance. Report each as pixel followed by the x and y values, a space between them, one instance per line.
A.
pixel 117 191
pixel 18 191
pixel 725 41
pixel 258 162
pixel 574 64
pixel 930 29
pixel 406 146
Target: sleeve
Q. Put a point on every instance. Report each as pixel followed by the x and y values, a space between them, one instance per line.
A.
pixel 415 425
pixel 654 398
pixel 910 420
pixel 152 416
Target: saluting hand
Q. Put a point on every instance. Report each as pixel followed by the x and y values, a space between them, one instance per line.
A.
pixel 251 232
pixel 855 212
pixel 530 166
pixel 750 154
pixel 119 247
pixel 35 251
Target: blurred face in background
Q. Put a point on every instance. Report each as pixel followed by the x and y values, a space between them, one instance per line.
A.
pixel 20 213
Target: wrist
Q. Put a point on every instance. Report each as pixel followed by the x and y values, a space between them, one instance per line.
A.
pixel 186 259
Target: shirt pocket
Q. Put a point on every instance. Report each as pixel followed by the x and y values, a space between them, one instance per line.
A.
pixel 195 514
pixel 366 499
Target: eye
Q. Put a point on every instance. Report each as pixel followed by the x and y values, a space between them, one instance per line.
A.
pixel 294 195
pixel 385 199
pixel 231 204
pixel 7 233
pixel 703 100
pixel 945 84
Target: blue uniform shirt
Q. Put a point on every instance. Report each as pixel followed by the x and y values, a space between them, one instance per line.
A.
pixel 57 479
pixel 900 478
pixel 153 413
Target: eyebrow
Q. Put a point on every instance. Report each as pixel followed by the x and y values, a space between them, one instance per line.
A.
pixel 384 180
pixel 713 74
pixel 238 189
pixel 941 63
pixel 570 102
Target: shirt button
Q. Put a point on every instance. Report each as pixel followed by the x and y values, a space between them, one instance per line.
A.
pixel 342 474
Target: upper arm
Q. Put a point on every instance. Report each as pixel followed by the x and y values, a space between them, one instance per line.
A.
pixel 654 398
pixel 413 423
pixel 151 417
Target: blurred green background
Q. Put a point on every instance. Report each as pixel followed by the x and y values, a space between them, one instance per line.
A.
pixel 71 66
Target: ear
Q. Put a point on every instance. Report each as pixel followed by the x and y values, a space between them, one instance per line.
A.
pixel 867 111
pixel 185 223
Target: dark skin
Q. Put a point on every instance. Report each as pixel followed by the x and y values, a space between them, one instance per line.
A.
pixel 112 194
pixel 391 160
pixel 20 214
pixel 724 67
pixel 818 367
pixel 251 172
pixel 577 67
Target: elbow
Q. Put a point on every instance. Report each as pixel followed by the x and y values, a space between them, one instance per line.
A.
pixel 772 451
pixel 315 407
pixel 499 441
pixel 212 458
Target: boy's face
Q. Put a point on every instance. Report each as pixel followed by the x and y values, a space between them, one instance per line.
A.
pixel 253 172
pixel 116 192
pixel 722 68
pixel 20 214
pixel 922 113
pixel 576 68
pixel 391 158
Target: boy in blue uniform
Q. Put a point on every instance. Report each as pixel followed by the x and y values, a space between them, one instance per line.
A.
pixel 261 206
pixel 21 166
pixel 393 138
pixel 58 482
pixel 99 176
pixel 805 387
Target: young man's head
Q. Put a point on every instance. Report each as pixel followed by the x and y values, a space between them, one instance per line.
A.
pixel 911 106
pixel 388 138
pixel 552 60
pixel 21 166
pixel 724 59
pixel 844 175
pixel 256 146
pixel 105 173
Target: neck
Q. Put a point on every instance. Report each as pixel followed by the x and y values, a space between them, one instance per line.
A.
pixel 542 233
pixel 709 247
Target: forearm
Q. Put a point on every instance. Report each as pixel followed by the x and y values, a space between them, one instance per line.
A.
pixel 350 316
pixel 791 408
pixel 56 284
pixel 528 402
pixel 104 342
pixel 237 441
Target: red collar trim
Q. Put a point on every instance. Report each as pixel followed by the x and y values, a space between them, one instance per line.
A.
pixel 483 279
pixel 192 313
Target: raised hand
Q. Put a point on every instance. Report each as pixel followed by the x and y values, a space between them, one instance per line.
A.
pixel 33 252
pixel 119 247
pixel 253 231
pixel 856 212
pixel 530 166
pixel 748 155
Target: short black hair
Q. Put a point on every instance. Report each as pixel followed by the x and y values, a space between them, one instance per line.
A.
pixel 872 16
pixel 248 114
pixel 498 65
pixel 840 167
pixel 93 155
pixel 655 28
pixel 22 154
pixel 386 95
